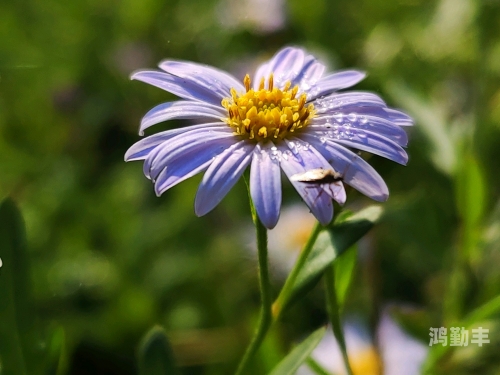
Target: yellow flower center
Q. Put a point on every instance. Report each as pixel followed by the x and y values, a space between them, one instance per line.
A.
pixel 269 113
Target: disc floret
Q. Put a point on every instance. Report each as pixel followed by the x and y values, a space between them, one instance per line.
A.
pixel 267 113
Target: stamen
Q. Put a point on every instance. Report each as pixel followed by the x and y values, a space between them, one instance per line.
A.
pixel 246 82
pixel 261 83
pixel 267 113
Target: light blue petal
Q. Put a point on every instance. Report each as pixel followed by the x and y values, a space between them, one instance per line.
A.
pixel 392 115
pixel 205 76
pixel 295 159
pixel 347 101
pixel 336 191
pixel 336 81
pixel 399 118
pixel 221 176
pixel 181 110
pixel 177 86
pixel 192 141
pixel 356 172
pixel 193 161
pixel 366 141
pixel 310 73
pixel 285 66
pixel 265 184
pixel 339 121
pixel 140 150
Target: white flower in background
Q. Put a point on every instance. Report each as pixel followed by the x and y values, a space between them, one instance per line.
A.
pixel 400 354
pixel 262 16
pixel 285 245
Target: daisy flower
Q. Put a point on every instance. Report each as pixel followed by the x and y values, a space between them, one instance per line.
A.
pixel 289 116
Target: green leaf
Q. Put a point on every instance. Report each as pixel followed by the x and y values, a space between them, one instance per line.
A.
pixel 483 312
pixel 316 367
pixel 331 243
pixel 155 354
pixel 432 123
pixel 290 364
pixel 19 344
pixel 471 204
pixel 57 355
pixel 471 194
pixel 344 267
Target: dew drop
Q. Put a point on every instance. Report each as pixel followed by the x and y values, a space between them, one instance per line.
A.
pixel 338 116
pixel 363 120
pixel 352 117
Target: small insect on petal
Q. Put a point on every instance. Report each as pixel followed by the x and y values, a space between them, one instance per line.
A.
pixel 328 179
pixel 317 176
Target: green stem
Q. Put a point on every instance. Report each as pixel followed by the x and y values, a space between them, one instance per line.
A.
pixel 292 277
pixel 334 314
pixel 265 318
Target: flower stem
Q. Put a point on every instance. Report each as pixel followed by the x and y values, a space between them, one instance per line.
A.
pixel 284 295
pixel 334 314
pixel 265 318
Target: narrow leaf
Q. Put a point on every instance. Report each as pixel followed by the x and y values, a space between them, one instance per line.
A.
pixel 331 243
pixel 57 355
pixel 155 354
pixel 344 267
pixel 290 364
pixel 19 343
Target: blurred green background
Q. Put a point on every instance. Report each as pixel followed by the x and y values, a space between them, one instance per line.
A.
pixel 108 259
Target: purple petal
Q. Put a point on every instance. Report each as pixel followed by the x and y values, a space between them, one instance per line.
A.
pixel 372 124
pixel 356 172
pixel 190 163
pixel 399 118
pixel 140 150
pixel 181 110
pixel 285 66
pixel 205 76
pixel 265 185
pixel 177 147
pixel 394 116
pixel 177 86
pixel 367 141
pixel 221 176
pixel 337 81
pixel 309 74
pixel 336 191
pixel 347 101
pixel 297 159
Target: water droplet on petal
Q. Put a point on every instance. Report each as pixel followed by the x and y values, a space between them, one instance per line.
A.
pixel 338 116
pixel 352 117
